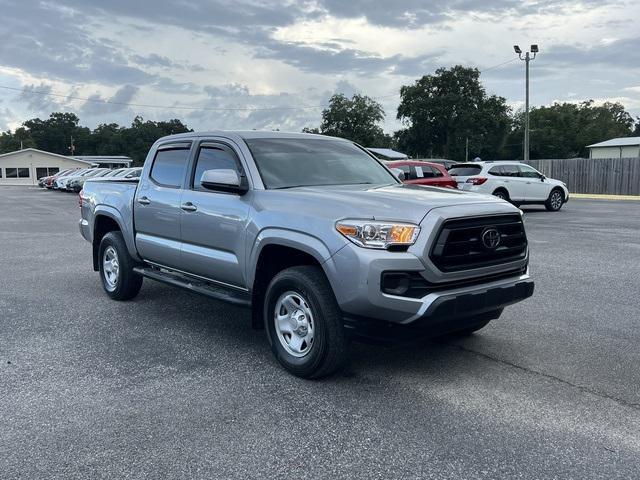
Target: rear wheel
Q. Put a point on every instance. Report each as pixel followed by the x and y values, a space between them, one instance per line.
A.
pixel 555 201
pixel 501 194
pixel 304 323
pixel 119 280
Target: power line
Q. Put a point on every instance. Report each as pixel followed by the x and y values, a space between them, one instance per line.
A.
pixel 187 107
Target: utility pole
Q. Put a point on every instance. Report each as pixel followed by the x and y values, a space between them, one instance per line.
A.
pixel 527 58
pixel 466 151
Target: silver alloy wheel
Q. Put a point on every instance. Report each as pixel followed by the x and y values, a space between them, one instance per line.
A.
pixel 294 324
pixel 556 200
pixel 110 268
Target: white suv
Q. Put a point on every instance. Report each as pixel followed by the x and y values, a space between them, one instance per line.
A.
pixel 513 181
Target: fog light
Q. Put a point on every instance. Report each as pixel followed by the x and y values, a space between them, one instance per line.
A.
pixel 395 283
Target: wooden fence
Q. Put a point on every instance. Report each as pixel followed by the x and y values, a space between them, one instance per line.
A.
pixel 614 176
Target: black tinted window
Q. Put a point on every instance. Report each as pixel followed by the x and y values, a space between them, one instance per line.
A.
pixel 12 172
pixel 213 158
pixel 424 171
pixel 291 162
pixel 169 166
pixel 496 171
pixel 510 171
pixel 465 170
pixel 528 172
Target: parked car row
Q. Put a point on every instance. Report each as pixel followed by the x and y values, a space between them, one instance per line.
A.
pixel 514 182
pixel 72 180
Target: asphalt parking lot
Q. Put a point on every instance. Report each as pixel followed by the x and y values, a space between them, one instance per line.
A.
pixel 176 385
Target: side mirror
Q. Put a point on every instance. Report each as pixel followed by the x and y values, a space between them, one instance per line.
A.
pixel 542 178
pixel 224 180
pixel 398 173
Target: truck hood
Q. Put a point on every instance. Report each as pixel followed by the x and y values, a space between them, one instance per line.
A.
pixel 406 203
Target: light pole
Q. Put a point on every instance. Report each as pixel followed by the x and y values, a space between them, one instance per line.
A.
pixel 527 58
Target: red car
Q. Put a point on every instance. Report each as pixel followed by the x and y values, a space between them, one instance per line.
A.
pixel 424 173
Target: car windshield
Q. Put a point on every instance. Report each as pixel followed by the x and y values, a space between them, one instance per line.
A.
pixel 464 170
pixel 305 162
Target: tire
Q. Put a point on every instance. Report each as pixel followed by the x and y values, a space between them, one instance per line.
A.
pixel 502 194
pixel 302 296
pixel 119 280
pixel 555 200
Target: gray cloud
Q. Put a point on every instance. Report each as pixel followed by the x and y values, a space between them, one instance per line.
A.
pixel 37 99
pixel 153 60
pixel 97 105
pixel 417 13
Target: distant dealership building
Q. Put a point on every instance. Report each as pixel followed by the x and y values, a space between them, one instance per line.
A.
pixel 25 167
pixel 625 147
pixel 108 161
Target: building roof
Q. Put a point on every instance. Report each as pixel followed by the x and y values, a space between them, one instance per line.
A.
pixel 389 153
pixel 103 158
pixel 618 142
pixel 78 159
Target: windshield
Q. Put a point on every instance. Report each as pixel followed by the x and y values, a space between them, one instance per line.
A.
pixel 305 162
pixel 464 171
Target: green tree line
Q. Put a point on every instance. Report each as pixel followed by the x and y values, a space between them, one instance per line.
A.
pixel 55 133
pixel 440 113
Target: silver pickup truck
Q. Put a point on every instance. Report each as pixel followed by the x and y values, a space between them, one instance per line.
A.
pixel 313 233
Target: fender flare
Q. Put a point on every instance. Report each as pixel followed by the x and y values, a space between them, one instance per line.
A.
pixel 116 216
pixel 285 238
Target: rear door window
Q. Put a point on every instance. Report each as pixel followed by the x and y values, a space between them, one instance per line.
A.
pixel 510 171
pixel 169 167
pixel 465 170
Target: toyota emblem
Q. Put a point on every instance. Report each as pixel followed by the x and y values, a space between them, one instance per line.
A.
pixel 491 238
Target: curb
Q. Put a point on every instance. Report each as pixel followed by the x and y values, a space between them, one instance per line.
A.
pixel 589 196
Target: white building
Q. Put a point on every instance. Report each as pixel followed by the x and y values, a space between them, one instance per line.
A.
pixel 626 147
pixel 106 161
pixel 24 167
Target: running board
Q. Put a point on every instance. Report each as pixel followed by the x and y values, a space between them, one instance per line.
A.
pixel 209 289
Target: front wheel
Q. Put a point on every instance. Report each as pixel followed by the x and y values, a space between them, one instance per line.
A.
pixel 304 323
pixel 119 280
pixel 555 201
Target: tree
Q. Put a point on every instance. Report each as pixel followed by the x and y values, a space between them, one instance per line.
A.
pixel 563 130
pixel 54 134
pixel 21 138
pixel 441 111
pixel 142 134
pixel 356 118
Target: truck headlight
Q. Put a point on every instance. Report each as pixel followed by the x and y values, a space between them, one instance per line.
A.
pixel 371 234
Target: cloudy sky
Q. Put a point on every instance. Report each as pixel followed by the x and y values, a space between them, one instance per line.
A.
pixel 266 64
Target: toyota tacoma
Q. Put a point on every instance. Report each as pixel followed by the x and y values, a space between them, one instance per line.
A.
pixel 314 234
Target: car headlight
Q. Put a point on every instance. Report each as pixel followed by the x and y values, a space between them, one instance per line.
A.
pixel 381 235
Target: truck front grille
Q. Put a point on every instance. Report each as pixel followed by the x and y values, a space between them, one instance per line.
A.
pixel 468 243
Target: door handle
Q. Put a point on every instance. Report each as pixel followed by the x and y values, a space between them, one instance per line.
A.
pixel 188 207
pixel 144 201
pixel 528 183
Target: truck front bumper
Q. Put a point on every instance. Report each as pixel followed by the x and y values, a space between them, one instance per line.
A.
pixel 444 312
pixel 452 301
